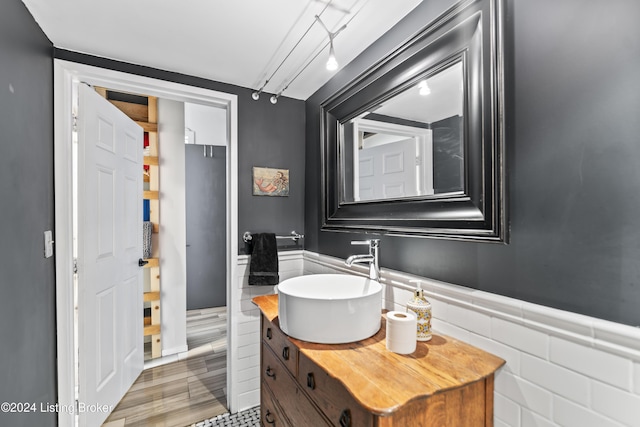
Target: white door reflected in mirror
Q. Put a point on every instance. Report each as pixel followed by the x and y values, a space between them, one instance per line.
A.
pixel 410 145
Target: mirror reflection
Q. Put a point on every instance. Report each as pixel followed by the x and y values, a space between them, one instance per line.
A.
pixel 410 145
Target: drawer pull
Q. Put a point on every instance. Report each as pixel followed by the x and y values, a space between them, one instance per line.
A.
pixel 285 353
pixel 345 418
pixel 270 372
pixel 269 418
pixel 311 381
pixel 269 333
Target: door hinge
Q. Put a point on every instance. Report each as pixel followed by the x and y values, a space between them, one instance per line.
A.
pixel 75 123
pixel 75 266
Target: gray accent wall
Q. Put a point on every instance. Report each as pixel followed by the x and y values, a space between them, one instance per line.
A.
pixel 27 279
pixel 272 137
pixel 572 138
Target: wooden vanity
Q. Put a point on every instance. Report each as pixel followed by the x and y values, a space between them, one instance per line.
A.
pixel 445 382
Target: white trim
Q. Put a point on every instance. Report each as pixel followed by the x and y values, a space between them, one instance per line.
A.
pixel 64 243
pixel 65 73
pixel 232 253
pixel 390 128
pixel 282 256
pixel 175 350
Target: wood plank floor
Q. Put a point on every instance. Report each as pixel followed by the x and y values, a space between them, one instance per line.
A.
pixel 184 392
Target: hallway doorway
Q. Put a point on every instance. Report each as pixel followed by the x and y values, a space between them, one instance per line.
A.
pixel 205 147
pixel 67 75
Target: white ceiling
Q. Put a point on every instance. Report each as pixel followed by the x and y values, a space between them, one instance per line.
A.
pixel 241 42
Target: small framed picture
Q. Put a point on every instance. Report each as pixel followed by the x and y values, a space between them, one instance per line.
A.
pixel 270 182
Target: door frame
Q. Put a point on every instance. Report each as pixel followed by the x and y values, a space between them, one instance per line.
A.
pixel 65 74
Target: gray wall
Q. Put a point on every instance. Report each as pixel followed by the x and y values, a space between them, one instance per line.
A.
pixel 573 129
pixel 272 136
pixel 27 279
pixel 268 136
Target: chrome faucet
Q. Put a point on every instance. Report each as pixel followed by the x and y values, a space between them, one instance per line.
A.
pixel 371 258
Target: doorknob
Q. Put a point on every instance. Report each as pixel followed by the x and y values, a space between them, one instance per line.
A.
pixel 142 262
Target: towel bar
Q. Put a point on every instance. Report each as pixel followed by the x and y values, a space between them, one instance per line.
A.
pixel 293 236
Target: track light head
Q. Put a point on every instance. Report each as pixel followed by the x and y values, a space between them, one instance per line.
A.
pixel 274 98
pixel 255 95
pixel 332 62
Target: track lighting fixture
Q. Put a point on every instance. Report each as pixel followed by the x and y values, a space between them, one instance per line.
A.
pixel 256 95
pixel 332 62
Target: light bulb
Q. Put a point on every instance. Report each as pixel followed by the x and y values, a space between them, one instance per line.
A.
pixel 255 96
pixel 332 62
pixel 424 88
pixel 273 99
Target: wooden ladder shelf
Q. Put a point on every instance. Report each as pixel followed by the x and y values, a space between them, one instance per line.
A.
pixel 153 297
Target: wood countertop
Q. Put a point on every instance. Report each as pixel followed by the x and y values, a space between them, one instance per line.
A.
pixel 383 381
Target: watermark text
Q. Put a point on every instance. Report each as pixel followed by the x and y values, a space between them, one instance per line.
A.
pixel 28 407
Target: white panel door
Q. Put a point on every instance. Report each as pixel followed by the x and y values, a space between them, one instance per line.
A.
pixel 387 171
pixel 110 337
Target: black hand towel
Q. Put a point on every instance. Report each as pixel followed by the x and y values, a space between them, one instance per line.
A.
pixel 263 269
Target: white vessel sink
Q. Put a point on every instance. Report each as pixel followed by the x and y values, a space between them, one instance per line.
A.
pixel 329 308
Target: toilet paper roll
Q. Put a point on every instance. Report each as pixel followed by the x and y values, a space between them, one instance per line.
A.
pixel 401 332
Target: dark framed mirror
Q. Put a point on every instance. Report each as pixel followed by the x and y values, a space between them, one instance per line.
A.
pixel 415 145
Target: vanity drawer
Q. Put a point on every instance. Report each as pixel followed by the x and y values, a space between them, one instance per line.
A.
pixel 297 408
pixel 281 346
pixel 270 415
pixel 331 396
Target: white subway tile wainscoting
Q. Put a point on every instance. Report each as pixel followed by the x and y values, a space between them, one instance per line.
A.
pixel 244 333
pixel 563 369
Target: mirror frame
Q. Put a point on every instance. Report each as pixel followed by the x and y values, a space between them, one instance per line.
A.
pixel 471 32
